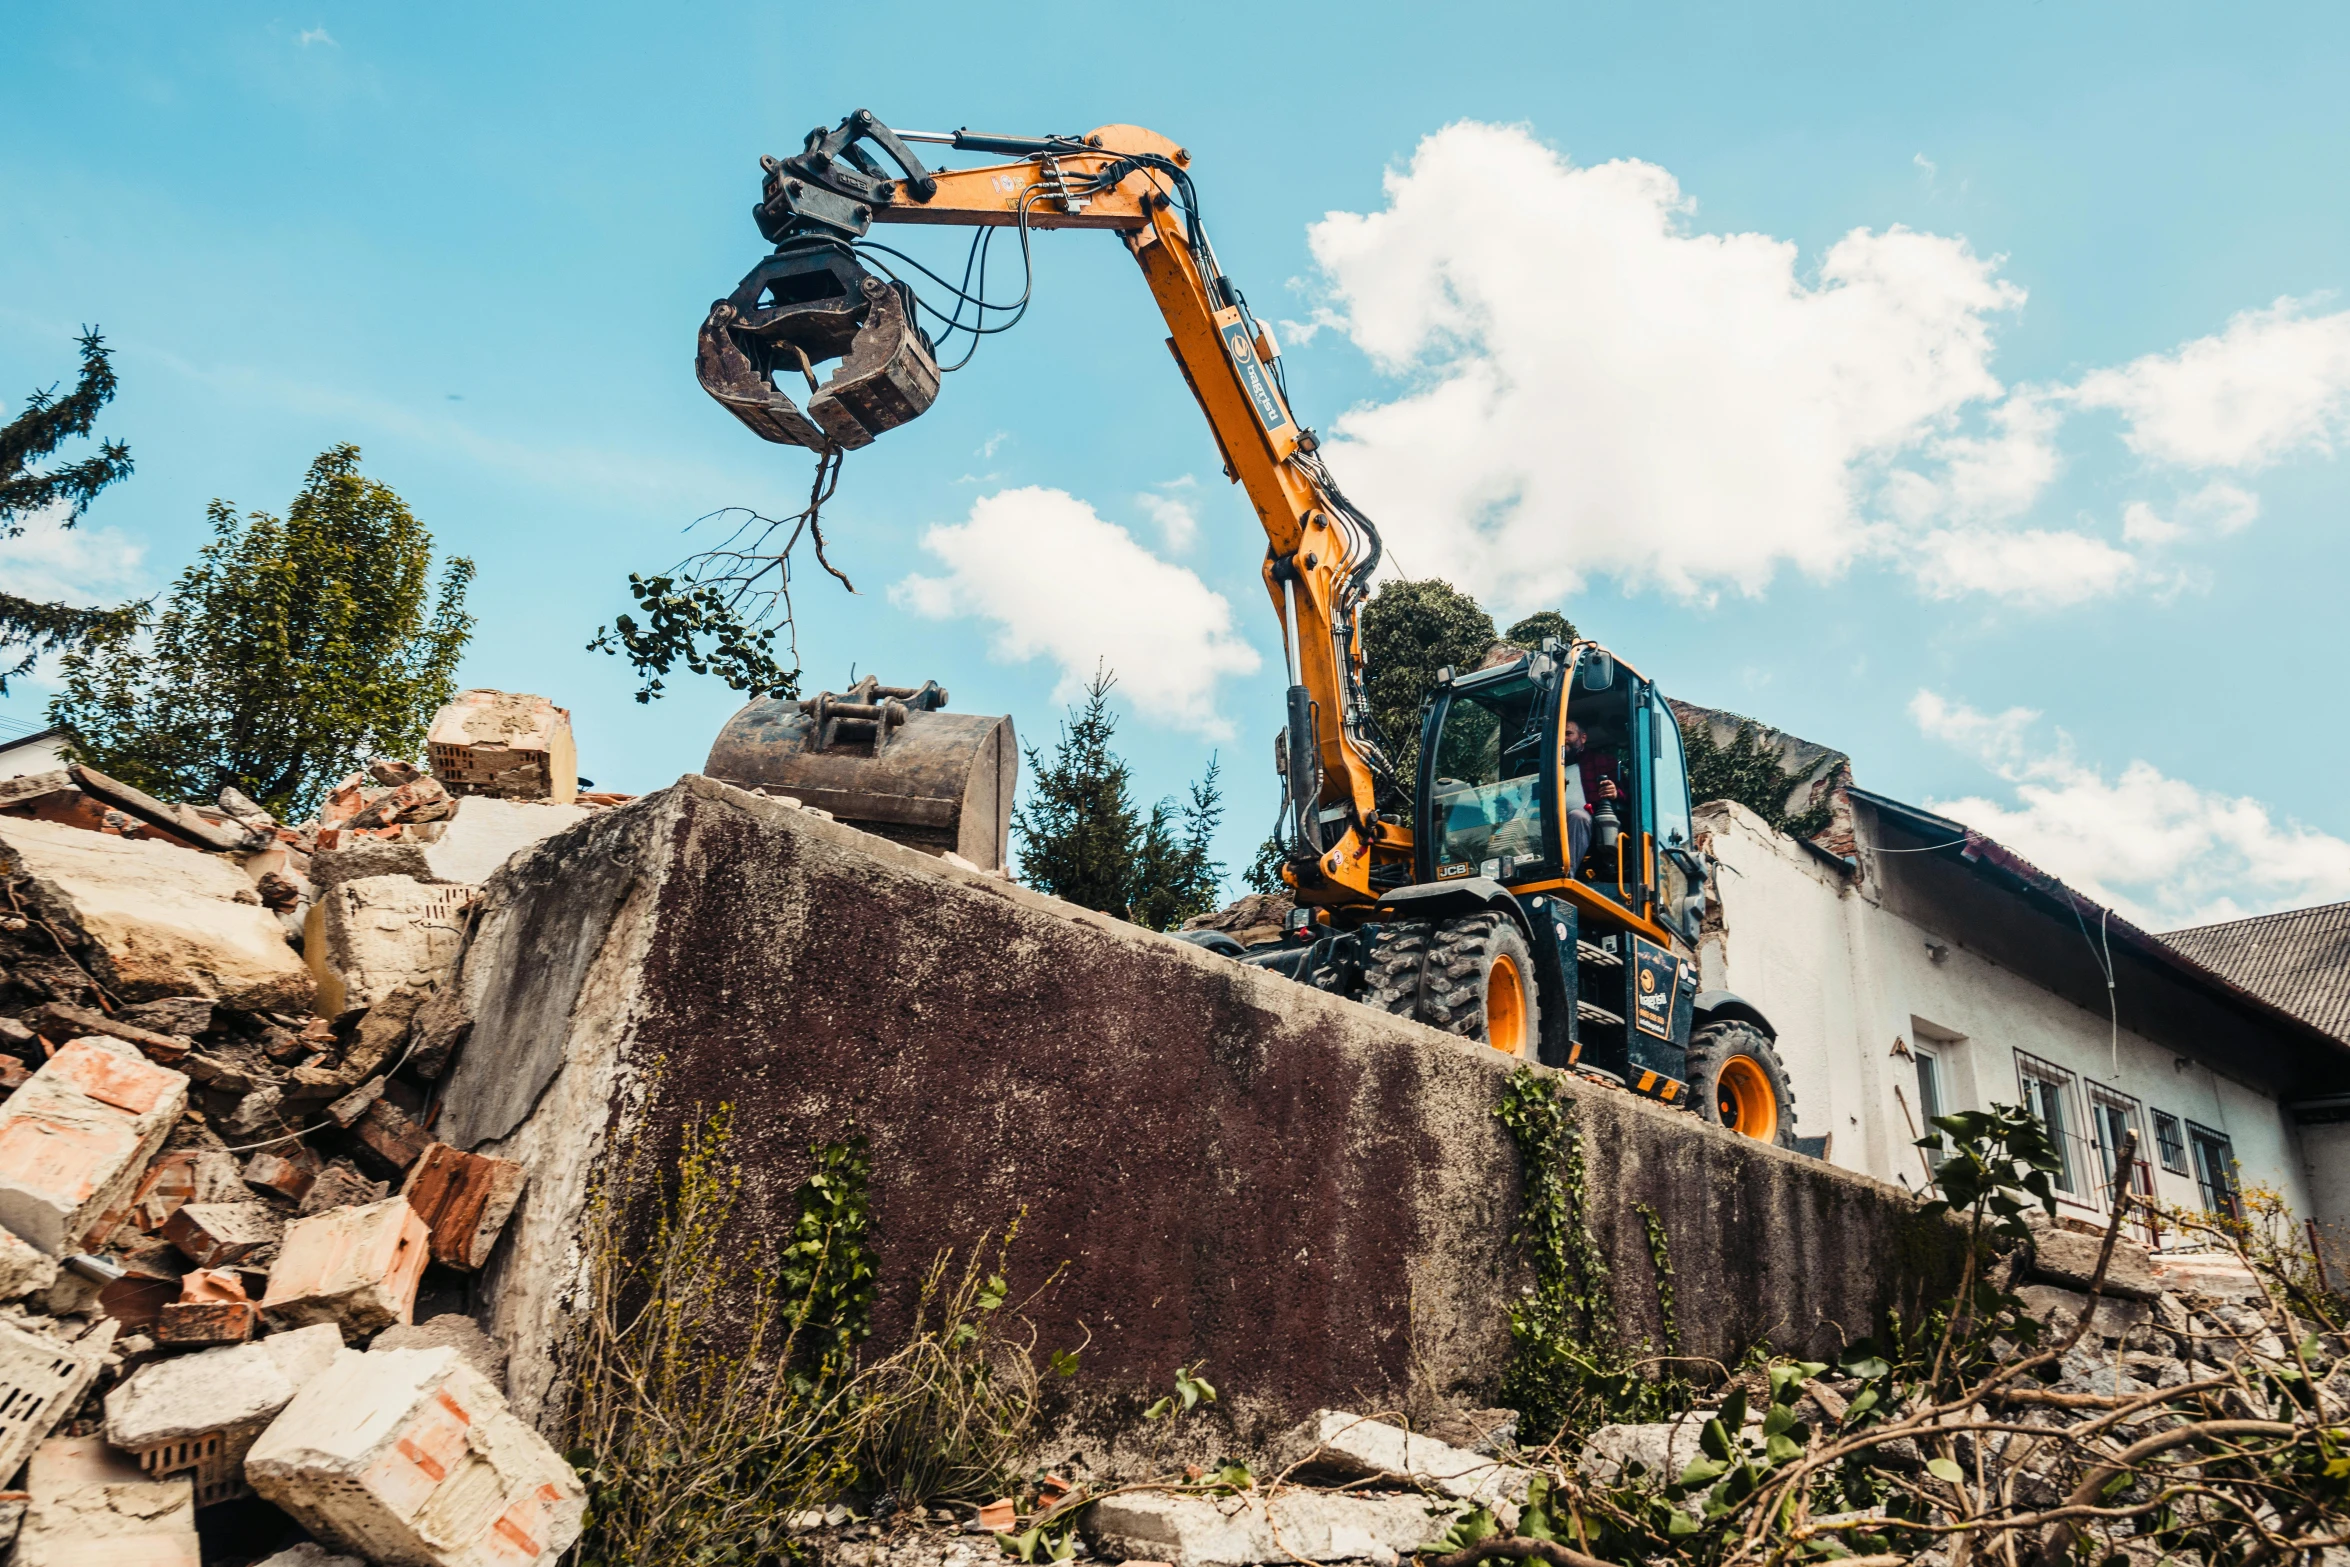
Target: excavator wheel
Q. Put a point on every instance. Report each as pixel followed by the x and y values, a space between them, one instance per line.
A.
pixel 1471 976
pixel 1736 1080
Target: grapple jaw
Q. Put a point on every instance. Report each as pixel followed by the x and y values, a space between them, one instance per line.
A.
pixel 808 303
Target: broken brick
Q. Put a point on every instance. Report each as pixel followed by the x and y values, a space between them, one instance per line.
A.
pixel 14 1074
pixel 440 1472
pixel 215 1284
pixel 185 1322
pixel 212 1234
pixel 465 1200
pixel 340 1185
pixel 283 1174
pixel 387 1141
pixel 76 1138
pixel 357 1267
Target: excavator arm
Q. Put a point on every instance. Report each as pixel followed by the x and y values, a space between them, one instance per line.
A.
pixel 815 299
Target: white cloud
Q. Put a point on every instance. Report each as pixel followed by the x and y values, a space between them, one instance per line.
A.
pixel 80 565
pixel 2216 510
pixel 1174 506
pixel 1603 390
pixel 316 35
pixel 1061 582
pixel 2039 568
pixel 83 565
pixel 2163 852
pixel 2275 382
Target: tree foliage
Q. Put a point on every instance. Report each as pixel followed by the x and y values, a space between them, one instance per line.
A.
pixel 1410 631
pixel 1747 771
pixel 1081 837
pixel 48 422
pixel 1528 633
pixel 290 652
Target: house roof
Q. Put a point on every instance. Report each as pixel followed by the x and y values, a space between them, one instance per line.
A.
pixel 2199 970
pixel 2298 960
pixel 35 738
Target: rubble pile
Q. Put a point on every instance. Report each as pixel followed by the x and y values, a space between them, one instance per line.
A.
pixel 221 1201
pixel 1381 1489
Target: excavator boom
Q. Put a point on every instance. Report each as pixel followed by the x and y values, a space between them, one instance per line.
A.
pixel 816 299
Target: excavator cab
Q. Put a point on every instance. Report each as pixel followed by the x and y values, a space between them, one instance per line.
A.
pixel 1605 895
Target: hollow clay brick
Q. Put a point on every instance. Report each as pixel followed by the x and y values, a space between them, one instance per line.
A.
pixel 410 1456
pixel 465 1199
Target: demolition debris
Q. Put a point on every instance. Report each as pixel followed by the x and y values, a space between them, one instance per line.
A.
pixel 220 1196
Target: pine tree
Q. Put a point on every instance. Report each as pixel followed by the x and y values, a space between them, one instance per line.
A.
pixel 1082 839
pixel 48 422
pixel 1175 875
pixel 290 652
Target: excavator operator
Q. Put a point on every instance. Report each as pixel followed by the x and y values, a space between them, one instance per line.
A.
pixel 1590 777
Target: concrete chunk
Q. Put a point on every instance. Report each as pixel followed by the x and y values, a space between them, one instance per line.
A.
pixel 24 1268
pixel 450 1331
pixel 369 936
pixel 308 1554
pixel 90 1508
pixel 409 1456
pixel 486 833
pixel 76 1138
pixel 1370 1448
pixel 1199 1531
pixel 505 743
pixel 357 1267
pixel 190 1396
pixel 163 921
pixel 2069 1258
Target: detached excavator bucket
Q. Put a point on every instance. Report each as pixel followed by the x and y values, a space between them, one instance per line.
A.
pixel 887 759
pixel 796 309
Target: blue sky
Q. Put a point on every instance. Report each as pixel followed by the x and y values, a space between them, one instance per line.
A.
pixel 1913 378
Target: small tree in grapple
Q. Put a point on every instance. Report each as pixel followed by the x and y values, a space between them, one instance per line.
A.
pixel 48 422
pixel 290 652
pixel 1082 839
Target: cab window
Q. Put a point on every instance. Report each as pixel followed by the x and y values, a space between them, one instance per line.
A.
pixel 1485 797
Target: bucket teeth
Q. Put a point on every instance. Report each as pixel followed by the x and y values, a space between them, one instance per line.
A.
pixel 796 309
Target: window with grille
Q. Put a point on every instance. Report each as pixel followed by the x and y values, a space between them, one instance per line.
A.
pixel 2171 1142
pixel 2215 1170
pixel 2048 1094
pixel 2113 1116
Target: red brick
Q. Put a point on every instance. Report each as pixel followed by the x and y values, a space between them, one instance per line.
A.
pixel 207 1322
pixel 387 1141
pixel 465 1199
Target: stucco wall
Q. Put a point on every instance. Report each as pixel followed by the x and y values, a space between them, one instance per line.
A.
pixel 1843 977
pixel 1312 1198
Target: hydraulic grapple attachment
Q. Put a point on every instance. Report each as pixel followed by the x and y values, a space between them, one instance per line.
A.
pixel 797 309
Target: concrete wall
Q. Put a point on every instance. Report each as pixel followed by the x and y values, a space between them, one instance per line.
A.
pixel 1312 1198
pixel 1845 975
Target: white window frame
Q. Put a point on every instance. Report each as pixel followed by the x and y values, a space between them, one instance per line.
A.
pixel 2175 1155
pixel 2072 1151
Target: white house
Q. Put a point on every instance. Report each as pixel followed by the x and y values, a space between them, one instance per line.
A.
pixel 1928 969
pixel 42 751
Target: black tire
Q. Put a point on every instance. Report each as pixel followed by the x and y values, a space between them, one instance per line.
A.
pixel 1444 975
pixel 1756 1093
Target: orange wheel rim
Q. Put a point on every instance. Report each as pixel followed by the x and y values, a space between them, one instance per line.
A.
pixel 1505 1007
pixel 1743 1096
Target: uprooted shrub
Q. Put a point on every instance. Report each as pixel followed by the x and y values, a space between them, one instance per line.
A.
pixel 1982 1435
pixel 697 1454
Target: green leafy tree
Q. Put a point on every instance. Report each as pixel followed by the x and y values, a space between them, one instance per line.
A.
pixel 1082 839
pixel 1528 633
pixel 1747 771
pixel 1264 869
pixel 48 422
pixel 290 652
pixel 1410 631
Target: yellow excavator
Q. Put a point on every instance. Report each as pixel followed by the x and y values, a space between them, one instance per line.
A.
pixel 1536 887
